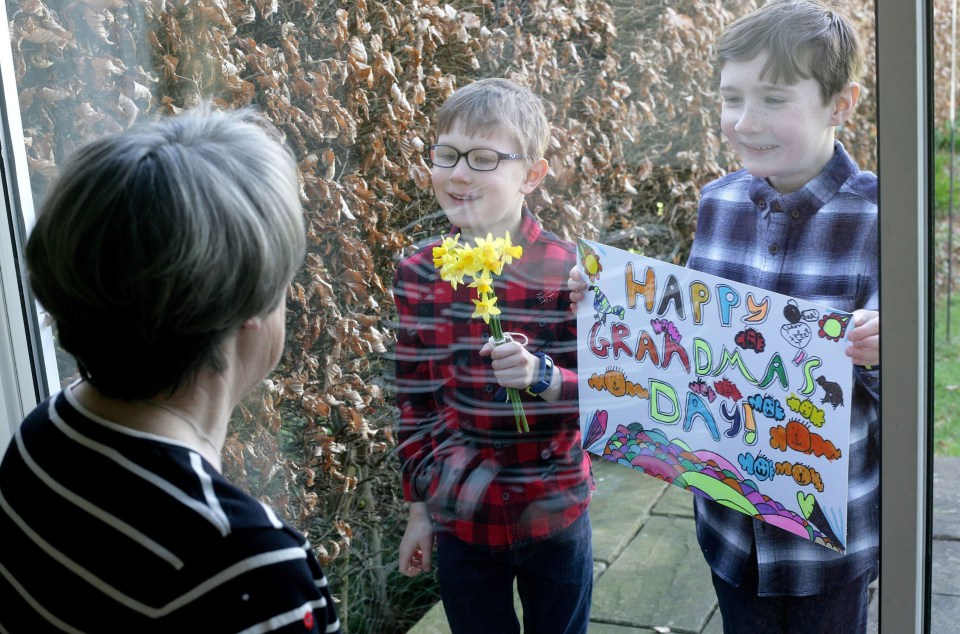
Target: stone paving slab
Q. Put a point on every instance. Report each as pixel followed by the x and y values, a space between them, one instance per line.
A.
pixel 620 506
pixel 946 498
pixel 946 566
pixel 715 624
pixel 674 502
pixel 944 614
pixel 660 580
pixel 606 628
pixel 433 622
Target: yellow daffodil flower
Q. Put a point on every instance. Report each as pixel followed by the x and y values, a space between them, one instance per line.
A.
pixel 510 251
pixel 456 262
pixel 454 280
pixel 468 263
pixel 487 254
pixel 485 307
pixel 483 283
pixel 443 253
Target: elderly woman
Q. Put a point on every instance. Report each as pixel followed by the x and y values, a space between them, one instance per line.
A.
pixel 163 255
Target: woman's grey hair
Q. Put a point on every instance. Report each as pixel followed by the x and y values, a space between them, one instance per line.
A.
pixel 156 244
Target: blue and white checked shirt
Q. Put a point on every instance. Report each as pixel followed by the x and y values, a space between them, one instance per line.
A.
pixel 819 243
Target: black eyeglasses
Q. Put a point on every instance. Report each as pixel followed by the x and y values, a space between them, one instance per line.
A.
pixel 479 159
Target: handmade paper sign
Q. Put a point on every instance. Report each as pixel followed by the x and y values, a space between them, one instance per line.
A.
pixel 729 391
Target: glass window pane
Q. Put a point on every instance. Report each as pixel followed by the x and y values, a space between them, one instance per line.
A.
pixel 631 92
pixel 945 342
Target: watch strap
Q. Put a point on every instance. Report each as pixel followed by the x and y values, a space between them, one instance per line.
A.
pixel 545 377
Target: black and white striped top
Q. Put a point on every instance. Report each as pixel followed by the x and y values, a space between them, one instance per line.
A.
pixel 107 529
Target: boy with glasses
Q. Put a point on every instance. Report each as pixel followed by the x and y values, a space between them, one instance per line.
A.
pixel 503 505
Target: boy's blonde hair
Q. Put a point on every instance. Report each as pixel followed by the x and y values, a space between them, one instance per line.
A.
pixel 803 39
pixel 498 106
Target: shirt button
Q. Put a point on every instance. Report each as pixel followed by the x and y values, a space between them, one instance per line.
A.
pixel 794 214
pixel 488 388
pixel 762 204
pixel 776 205
pixel 505 496
pixel 545 454
pixel 773 249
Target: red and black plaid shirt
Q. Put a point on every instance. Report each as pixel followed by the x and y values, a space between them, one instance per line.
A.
pixel 485 482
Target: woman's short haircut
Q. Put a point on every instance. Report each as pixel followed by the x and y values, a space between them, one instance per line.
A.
pixel 489 107
pixel 803 39
pixel 154 245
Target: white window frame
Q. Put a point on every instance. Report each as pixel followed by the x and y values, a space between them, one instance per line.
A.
pixel 28 370
pixel 28 366
pixel 904 79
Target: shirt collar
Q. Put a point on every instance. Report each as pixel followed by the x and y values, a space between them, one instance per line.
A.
pixel 810 198
pixel 530 229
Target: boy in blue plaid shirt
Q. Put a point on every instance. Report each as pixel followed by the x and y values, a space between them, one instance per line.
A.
pixel 800 219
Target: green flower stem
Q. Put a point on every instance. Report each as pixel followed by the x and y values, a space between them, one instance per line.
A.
pixel 513 394
pixel 496 330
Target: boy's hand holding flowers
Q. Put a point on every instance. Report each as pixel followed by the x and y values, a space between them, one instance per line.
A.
pixel 513 366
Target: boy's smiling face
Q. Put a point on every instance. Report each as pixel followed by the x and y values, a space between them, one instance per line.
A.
pixel 781 132
pixel 484 202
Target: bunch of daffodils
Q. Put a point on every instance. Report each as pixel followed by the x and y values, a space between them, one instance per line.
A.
pixel 475 266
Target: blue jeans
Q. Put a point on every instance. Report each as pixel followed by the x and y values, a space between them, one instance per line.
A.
pixel 841 610
pixel 554 580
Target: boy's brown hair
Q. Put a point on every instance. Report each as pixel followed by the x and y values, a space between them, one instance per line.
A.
pixel 803 39
pixel 498 106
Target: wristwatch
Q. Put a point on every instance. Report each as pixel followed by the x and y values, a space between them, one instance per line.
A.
pixel 546 374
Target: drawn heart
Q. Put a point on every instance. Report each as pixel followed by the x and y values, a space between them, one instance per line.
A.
pixel 598 426
pixel 806 502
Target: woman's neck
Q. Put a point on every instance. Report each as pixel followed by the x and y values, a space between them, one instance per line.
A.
pixel 191 418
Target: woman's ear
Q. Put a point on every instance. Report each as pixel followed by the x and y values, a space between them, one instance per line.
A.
pixel 253 323
pixel 535 175
pixel 844 103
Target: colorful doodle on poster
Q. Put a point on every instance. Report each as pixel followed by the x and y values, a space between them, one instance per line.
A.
pixel 726 390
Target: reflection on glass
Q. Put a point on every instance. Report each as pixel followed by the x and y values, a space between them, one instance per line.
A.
pixel 631 97
pixel 946 330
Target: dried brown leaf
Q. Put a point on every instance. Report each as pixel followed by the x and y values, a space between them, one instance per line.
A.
pixel 46 36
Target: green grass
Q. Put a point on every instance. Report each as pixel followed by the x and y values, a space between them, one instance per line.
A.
pixel 946 352
pixel 941 184
pixel 946 379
